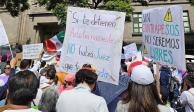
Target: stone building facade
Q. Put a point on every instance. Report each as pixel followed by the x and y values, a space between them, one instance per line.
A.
pixel 36 24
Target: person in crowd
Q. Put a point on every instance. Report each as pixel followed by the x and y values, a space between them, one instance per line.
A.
pixel 124 69
pixel 50 79
pixel 61 77
pixel 68 83
pixel 43 78
pixel 3 80
pixel 187 96
pixel 81 95
pixel 48 100
pixel 143 95
pixel 24 65
pixel 3 89
pixel 42 66
pixel 164 95
pixel 22 89
pixel 3 62
pixel 27 64
pixel 132 65
pixel 5 74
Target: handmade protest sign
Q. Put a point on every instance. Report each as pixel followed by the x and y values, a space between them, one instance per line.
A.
pixel 32 51
pixel 3 35
pixel 130 50
pixel 137 56
pixel 163 35
pixel 94 37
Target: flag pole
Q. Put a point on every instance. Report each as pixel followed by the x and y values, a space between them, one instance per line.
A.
pixel 10 50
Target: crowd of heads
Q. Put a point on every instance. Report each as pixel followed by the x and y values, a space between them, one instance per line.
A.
pixel 23 87
pixel 143 88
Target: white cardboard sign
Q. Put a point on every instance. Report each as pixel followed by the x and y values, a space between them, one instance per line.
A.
pixel 163 35
pixel 94 37
pixel 32 51
pixel 130 50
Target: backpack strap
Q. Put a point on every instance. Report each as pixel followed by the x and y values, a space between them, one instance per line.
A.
pixel 191 93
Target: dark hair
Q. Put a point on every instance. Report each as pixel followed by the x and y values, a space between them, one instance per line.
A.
pixel 87 65
pixel 190 79
pixel 124 67
pixel 25 63
pixel 164 94
pixel 4 58
pixel 4 66
pixel 23 88
pixel 43 63
pixel 84 75
pixel 142 98
pixel 19 48
pixel 66 83
pixel 51 73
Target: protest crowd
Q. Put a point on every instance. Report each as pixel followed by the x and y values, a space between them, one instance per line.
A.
pixel 99 82
pixel 36 86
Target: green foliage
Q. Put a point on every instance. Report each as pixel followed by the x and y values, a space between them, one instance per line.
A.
pixel 14 7
pixel 119 5
pixel 59 7
pixel 192 2
pixel 60 11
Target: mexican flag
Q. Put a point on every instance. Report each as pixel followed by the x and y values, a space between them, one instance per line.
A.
pixel 55 43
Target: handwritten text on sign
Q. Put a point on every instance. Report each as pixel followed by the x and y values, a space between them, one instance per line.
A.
pixel 32 51
pixel 93 37
pixel 130 50
pixel 163 35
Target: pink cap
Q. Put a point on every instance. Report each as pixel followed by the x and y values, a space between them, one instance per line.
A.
pixel 69 77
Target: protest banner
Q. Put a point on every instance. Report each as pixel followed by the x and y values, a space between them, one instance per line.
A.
pixel 94 37
pixel 3 35
pixel 32 51
pixel 163 35
pixel 130 50
pixel 3 38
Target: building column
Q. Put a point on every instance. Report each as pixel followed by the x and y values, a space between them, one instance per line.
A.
pixel 22 34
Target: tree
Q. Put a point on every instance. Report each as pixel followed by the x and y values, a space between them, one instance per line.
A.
pixel 59 7
pixel 192 2
pixel 14 7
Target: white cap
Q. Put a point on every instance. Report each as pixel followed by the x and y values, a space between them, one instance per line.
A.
pixel 141 74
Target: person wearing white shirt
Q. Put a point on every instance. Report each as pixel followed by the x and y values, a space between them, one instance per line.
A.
pixel 187 96
pixel 81 99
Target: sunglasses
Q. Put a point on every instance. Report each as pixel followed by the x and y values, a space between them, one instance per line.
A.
pixel 7 67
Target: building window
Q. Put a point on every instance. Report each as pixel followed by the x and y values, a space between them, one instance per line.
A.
pixel 137 23
pixel 187 27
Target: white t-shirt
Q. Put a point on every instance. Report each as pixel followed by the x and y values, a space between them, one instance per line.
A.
pixel 80 99
pixel 187 99
pixel 23 110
